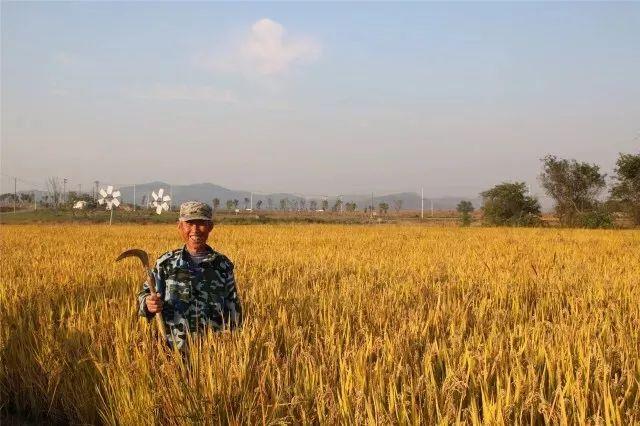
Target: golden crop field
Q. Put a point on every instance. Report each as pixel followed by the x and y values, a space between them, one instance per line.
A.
pixel 388 324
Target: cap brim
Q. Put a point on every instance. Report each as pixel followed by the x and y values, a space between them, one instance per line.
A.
pixel 186 219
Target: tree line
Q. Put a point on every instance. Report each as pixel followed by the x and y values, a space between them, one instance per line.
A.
pixel 576 189
pixel 300 204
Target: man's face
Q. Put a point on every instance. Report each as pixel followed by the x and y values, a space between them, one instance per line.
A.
pixel 194 233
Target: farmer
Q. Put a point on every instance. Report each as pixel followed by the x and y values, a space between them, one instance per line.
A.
pixel 195 284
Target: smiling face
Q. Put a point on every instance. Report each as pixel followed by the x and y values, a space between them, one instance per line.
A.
pixel 194 233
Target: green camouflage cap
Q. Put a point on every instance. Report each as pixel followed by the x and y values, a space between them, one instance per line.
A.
pixel 193 210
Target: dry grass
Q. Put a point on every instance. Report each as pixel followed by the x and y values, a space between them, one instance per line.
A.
pixel 345 324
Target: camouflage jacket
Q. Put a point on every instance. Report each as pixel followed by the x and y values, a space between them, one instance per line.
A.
pixel 195 297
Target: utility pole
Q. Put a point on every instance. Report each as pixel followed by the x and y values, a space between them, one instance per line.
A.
pixel 252 201
pixel 372 205
pixel 422 203
pixel 95 193
pixel 134 197
pixel 35 206
pixel 15 192
pixel 64 190
pixel 431 208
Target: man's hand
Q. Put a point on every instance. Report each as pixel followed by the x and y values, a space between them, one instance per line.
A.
pixel 154 303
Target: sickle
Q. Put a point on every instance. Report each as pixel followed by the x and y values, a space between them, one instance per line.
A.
pixel 151 281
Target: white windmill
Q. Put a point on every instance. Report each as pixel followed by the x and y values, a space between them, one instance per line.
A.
pixel 110 199
pixel 160 201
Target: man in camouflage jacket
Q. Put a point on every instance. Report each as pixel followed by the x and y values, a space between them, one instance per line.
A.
pixel 195 284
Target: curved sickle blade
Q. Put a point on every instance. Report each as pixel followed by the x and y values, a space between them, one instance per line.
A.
pixel 140 254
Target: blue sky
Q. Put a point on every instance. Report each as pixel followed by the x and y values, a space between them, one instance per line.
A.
pixel 316 98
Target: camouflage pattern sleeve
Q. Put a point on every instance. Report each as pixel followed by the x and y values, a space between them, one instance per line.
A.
pixel 233 308
pixel 142 306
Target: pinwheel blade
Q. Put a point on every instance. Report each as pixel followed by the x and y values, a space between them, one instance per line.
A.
pixel 165 206
pixel 115 194
pixel 159 209
pixel 160 192
pixel 115 202
pixel 166 198
pixel 109 189
pixel 103 193
pixel 154 195
pixel 101 201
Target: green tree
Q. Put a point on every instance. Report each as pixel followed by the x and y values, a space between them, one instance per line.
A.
pixel 246 203
pixel 397 205
pixel 573 186
pixel 313 205
pixel 325 205
pixel 383 208
pixel 8 197
pixel 283 203
pixel 626 188
pixel 597 218
pixel 229 204
pixel 75 197
pixel 509 204
pixel 465 208
pixel 216 203
pixel 25 197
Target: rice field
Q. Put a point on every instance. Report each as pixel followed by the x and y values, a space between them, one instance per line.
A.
pixel 345 324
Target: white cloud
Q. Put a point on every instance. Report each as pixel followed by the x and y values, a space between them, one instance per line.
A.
pixel 188 93
pixel 267 49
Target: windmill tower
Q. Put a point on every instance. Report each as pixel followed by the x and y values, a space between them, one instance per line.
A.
pixel 160 201
pixel 109 199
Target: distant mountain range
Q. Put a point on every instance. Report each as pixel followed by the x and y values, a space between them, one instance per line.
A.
pixel 207 192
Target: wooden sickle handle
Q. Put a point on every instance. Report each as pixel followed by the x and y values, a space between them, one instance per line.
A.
pixel 151 283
